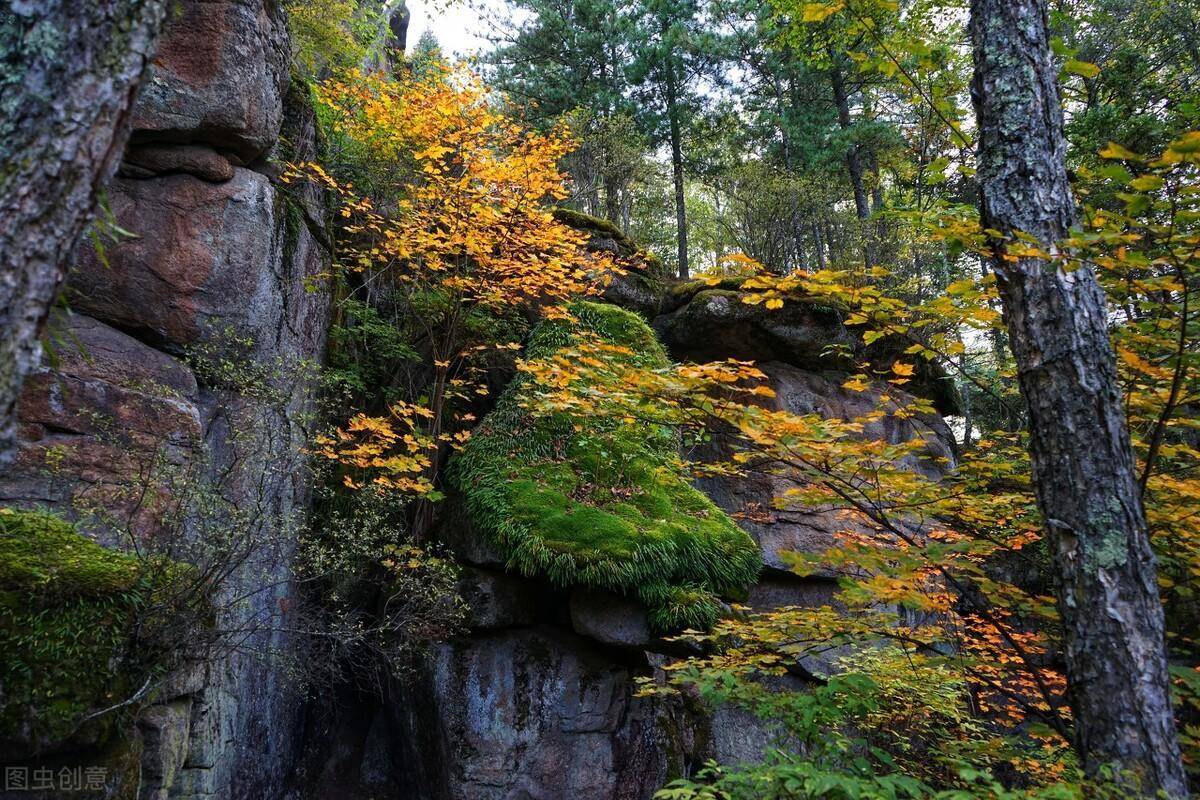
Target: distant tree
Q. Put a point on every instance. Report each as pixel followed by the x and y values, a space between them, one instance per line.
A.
pixel 1145 87
pixel 426 47
pixel 677 52
pixel 561 55
pixel 611 163
pixel 426 55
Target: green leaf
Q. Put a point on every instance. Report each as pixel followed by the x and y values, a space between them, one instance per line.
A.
pixel 1135 203
pixel 1060 47
pixel 1146 183
pixel 1116 172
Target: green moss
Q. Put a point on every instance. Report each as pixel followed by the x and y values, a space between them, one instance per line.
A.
pixel 602 507
pixel 68 608
pixel 293 226
pixel 586 222
pixel 685 290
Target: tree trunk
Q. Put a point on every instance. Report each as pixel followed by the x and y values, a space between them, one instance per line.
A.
pixel 853 158
pixel 612 198
pixel 1083 466
pixel 818 245
pixel 71 70
pixel 677 177
pixel 854 165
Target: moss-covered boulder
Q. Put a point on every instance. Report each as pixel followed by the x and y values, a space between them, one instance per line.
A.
pixel 702 322
pixel 596 226
pixel 68 644
pixel 601 507
pixel 643 283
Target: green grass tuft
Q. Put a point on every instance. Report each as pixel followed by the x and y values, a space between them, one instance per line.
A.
pixel 602 507
pixel 68 608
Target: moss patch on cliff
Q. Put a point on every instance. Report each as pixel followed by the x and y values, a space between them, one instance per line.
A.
pixel 68 609
pixel 586 222
pixel 602 506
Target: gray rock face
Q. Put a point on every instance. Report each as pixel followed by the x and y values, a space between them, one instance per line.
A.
pixel 105 409
pixel 777 591
pixel 221 259
pixel 164 159
pixel 806 530
pixel 711 324
pixel 610 618
pixel 636 292
pixel 739 737
pixel 498 600
pixel 467 543
pixel 715 324
pixel 89 349
pixel 209 263
pixel 164 730
pixel 218 78
pixel 538 714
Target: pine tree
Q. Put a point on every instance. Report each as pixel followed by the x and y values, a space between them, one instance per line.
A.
pixel 677 52
pixel 1083 464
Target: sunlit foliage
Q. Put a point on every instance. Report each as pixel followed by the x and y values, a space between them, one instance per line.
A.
pixel 465 231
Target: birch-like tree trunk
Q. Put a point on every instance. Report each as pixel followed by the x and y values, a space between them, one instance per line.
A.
pixel 1083 466
pixel 68 75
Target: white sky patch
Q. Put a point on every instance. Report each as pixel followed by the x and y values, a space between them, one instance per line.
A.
pixel 459 28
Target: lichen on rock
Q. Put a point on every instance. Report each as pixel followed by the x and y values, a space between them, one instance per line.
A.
pixel 601 506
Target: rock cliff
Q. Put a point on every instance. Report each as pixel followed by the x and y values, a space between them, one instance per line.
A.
pixel 212 267
pixel 539 700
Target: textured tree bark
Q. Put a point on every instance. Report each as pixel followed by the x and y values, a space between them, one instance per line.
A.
pixel 854 165
pixel 677 177
pixel 68 75
pixel 1083 466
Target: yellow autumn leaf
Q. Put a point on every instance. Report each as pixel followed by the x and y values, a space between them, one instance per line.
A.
pixel 856 384
pixel 1116 151
pixel 1187 144
pixel 819 12
pixel 1084 69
